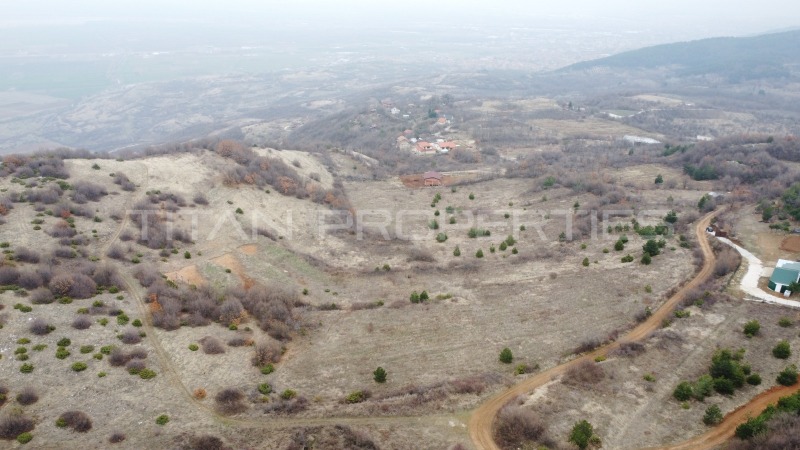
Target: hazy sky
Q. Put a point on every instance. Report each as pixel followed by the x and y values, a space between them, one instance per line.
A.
pixel 712 16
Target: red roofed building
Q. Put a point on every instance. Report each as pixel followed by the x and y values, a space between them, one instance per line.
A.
pixel 425 147
pixel 433 178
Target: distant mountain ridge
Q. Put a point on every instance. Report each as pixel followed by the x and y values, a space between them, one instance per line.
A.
pixel 737 58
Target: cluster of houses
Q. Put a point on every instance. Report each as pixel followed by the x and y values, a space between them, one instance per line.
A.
pixel 423 147
pixel 785 274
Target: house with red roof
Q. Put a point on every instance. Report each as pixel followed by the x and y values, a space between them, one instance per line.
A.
pixel 433 178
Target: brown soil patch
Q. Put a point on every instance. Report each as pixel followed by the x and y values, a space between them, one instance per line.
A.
pixel 791 244
pixel 250 249
pixel 188 275
pixel 229 261
pixel 416 181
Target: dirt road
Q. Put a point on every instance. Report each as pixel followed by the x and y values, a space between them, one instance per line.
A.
pixel 481 423
pixel 720 434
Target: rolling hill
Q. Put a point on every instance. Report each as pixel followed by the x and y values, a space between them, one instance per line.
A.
pixel 736 58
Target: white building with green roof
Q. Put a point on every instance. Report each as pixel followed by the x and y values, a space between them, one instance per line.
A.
pixel 785 274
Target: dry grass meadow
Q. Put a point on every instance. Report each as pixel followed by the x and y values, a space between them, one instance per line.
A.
pixel 353 311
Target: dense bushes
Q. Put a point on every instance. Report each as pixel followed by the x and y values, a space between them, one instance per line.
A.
pixel 584 374
pixel 517 427
pixel 23 254
pixel 230 401
pixel 14 425
pixel 124 182
pixel 267 352
pixel 130 336
pixel 27 396
pixel 725 374
pixel 728 260
pixel 76 420
pixel 40 327
pixel 752 328
pixel 262 171
pixel 782 350
pixel 788 376
pixel 75 285
pixel 212 346
pixel 84 191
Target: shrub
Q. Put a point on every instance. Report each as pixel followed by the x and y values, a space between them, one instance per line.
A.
pixel 24 438
pixel 87 349
pixel 266 353
pixel 230 401
pixel 782 350
pixel 138 353
pixel 116 438
pixel 212 346
pixel 118 358
pixel 683 391
pixel 81 322
pixel 62 353
pixel 288 394
pixel 30 280
pixel 73 285
pixel 42 296
pixel 585 262
pixel 379 375
pixel 14 425
pixel 116 252
pixel 583 374
pixel 479 253
pixel 629 349
pixel 582 434
pixel 40 327
pixel 627 259
pixel 646 259
pixel 26 255
pixel 131 336
pixel 200 199
pixel 135 367
pixel 162 419
pixel 27 396
pixel 79 366
pixel 754 379
pixel 193 347
pixel 265 388
pixel 64 342
pixel 122 319
pixel 752 328
pixel 506 357
pixel 147 374
pixel 515 426
pixel 724 386
pixel 713 415
pixel 788 376
pixel 76 420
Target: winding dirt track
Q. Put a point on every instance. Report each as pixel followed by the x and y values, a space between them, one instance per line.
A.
pixel 721 433
pixel 481 423
pixel 482 419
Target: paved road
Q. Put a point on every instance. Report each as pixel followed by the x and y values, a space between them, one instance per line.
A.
pixel 749 284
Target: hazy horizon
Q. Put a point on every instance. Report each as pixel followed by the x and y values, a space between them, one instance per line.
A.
pixel 690 18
